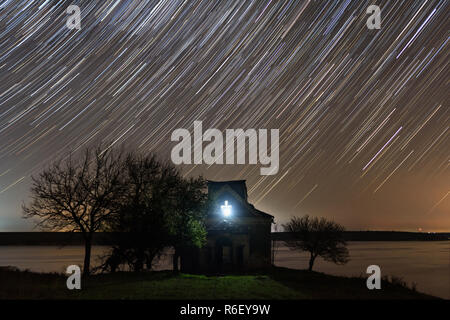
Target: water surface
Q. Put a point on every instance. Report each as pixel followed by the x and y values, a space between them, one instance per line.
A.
pixel 425 263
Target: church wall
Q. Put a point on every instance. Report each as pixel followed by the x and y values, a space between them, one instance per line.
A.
pixel 260 246
pixel 239 241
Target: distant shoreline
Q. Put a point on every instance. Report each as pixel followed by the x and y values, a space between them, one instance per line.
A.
pixel 379 236
pixel 101 238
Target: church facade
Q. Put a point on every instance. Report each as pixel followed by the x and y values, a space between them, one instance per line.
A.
pixel 238 234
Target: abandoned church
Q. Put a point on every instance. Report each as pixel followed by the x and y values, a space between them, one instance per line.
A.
pixel 238 234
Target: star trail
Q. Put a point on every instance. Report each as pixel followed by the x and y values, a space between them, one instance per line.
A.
pixel 362 114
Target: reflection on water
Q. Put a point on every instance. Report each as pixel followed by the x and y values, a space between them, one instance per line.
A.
pixel 425 263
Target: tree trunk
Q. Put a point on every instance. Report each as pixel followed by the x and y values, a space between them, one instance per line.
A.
pixel 175 259
pixel 139 264
pixel 311 262
pixel 87 256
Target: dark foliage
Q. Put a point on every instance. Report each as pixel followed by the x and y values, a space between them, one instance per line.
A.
pixel 159 209
pixel 319 237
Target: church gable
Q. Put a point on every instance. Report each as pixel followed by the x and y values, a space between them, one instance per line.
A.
pixel 226 200
pixel 238 186
pixel 229 199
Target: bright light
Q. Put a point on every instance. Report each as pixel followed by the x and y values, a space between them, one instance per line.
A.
pixel 226 209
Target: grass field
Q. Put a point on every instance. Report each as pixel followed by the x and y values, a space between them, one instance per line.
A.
pixel 279 283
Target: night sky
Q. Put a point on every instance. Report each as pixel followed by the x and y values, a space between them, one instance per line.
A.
pixel 363 114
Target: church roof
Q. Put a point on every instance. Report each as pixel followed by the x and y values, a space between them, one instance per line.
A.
pixel 239 188
pixel 262 213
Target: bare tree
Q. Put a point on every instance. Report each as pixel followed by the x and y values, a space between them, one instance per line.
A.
pixel 160 209
pixel 319 237
pixel 140 225
pixel 77 196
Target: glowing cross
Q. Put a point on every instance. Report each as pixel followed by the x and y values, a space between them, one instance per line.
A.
pixel 226 209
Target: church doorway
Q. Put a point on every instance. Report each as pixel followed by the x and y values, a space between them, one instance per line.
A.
pixel 240 257
pixel 224 254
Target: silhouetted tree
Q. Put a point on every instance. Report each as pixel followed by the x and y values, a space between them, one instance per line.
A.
pixel 160 208
pixel 319 237
pixel 140 225
pixel 78 196
pixel 186 219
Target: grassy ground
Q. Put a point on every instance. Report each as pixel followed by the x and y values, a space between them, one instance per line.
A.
pixel 279 283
